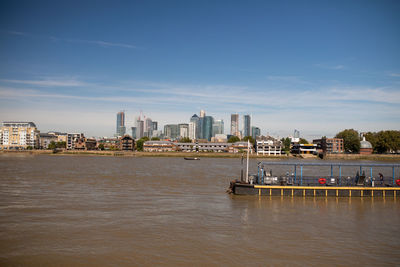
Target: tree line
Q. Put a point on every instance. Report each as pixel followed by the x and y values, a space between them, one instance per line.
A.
pixel 387 141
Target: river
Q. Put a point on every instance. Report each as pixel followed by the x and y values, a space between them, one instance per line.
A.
pixel 125 211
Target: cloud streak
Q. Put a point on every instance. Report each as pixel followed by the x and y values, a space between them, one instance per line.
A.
pixel 100 43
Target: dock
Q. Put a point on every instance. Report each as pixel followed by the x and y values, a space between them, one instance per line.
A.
pixel 298 183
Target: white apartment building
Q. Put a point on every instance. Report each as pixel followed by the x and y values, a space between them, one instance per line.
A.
pixel 18 135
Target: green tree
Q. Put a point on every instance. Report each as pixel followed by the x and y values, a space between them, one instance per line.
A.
pixel 303 141
pixel 29 147
pixel 387 141
pixel 286 144
pixel 139 144
pixel 233 139
pixel 351 140
pixel 250 138
pixel 145 138
pixel 61 144
pixel 101 146
pixel 185 140
pixel 52 145
pixel 155 139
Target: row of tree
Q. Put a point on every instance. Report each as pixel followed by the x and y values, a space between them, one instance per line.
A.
pixel 382 142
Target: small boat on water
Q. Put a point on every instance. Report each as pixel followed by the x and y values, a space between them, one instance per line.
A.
pixel 191 158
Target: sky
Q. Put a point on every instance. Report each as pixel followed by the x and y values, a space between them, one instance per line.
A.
pixel 315 66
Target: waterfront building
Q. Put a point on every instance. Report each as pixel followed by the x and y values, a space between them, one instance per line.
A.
pixel 239 147
pixel 365 147
pixel 72 138
pixel 120 124
pixel 208 127
pixel 255 132
pixel 218 127
pixel 268 146
pixel 183 130
pixel 333 145
pixel 45 139
pixel 158 146
pixel 84 143
pixel 235 124
pixel 171 131
pixel 61 137
pixel 19 135
pixel 203 147
pixel 127 143
pixel 304 149
pixel 110 143
pixel 195 128
pixel 246 125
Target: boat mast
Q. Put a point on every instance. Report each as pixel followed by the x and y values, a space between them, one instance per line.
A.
pixel 247 170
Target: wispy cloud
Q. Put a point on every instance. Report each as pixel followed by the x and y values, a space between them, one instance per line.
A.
pixel 48 82
pixel 330 67
pixel 394 74
pixel 101 43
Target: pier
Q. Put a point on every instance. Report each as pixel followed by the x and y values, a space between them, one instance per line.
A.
pixel 298 183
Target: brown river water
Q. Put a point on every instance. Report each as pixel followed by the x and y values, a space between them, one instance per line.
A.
pixel 123 211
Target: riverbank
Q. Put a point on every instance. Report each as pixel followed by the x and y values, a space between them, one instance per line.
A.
pixel 372 157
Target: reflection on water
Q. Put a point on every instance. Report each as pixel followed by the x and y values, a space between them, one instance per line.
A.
pixel 87 211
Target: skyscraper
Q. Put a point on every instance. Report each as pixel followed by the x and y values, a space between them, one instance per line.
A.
pixel 192 130
pixel 255 131
pixel 246 125
pixel 197 128
pixel 235 124
pixel 171 131
pixel 120 124
pixel 139 128
pixel 183 130
pixel 148 127
pixel 218 127
pixel 207 127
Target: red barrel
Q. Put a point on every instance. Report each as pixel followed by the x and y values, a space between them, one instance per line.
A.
pixel 322 181
pixel 398 182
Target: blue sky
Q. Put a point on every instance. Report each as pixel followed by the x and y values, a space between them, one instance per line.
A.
pixel 315 66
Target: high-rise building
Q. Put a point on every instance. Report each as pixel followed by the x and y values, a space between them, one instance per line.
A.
pixel 120 124
pixel 207 127
pixel 171 131
pixel 19 135
pixel 148 127
pixel 183 130
pixel 196 127
pixel 246 125
pixel 235 124
pixel 139 128
pixel 155 125
pixel 134 132
pixel 255 132
pixel 202 113
pixel 218 127
pixel 192 130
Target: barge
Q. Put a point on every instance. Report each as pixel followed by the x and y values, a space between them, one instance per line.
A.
pixel 365 181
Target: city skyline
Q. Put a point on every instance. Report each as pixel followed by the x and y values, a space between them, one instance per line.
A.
pixel 318 67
